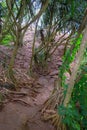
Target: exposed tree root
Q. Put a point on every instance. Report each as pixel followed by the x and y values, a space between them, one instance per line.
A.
pixel 21 101
pixel 13 96
pixel 55 118
pixel 49 112
pixel 54 100
pixel 5 91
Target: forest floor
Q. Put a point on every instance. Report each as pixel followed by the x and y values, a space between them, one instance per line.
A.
pixel 22 111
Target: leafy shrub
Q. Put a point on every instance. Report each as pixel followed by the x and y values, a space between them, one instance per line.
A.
pixel 75 115
pixel 6 40
pixel 80 95
pixel 70 116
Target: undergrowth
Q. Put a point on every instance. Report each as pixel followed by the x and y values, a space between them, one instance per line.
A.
pixel 6 40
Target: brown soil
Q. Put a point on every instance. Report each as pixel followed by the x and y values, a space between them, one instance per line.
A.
pixel 19 115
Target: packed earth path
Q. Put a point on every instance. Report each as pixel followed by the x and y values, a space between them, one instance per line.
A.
pixel 22 111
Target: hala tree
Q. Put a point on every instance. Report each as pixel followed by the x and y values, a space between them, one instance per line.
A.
pixel 20 15
pixel 60 16
pixel 65 108
pixel 75 51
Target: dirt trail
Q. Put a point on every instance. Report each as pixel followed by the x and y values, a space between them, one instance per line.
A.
pixel 17 116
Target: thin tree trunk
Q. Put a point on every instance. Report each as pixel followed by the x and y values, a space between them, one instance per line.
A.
pixel 33 48
pixel 78 60
pixel 11 65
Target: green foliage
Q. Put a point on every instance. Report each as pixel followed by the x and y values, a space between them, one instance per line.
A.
pixel 6 40
pixel 75 115
pixel 69 57
pixel 80 95
pixel 70 116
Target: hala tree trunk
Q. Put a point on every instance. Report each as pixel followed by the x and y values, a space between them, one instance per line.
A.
pixel 33 49
pixel 10 68
pixel 79 58
pixel 18 43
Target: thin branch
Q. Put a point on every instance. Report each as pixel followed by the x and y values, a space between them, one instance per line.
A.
pixel 44 6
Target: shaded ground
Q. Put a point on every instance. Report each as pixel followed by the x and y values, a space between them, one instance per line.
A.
pixel 19 115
